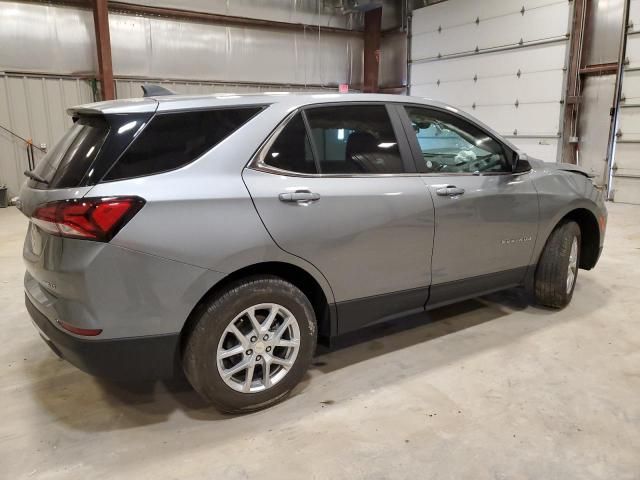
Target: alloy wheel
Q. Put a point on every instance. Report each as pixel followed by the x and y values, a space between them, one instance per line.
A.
pixel 573 265
pixel 258 348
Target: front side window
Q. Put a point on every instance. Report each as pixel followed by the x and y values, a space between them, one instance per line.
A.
pixel 452 145
pixel 172 140
pixel 354 139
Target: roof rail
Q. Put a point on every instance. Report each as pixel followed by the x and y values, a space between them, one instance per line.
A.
pixel 153 90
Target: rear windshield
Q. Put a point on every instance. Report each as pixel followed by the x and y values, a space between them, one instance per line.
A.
pixel 175 139
pixel 92 149
pixel 67 163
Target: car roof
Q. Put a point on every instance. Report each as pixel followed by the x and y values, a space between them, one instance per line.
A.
pixel 289 100
pixel 216 100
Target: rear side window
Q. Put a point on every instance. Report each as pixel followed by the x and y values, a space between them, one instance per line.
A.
pixel 67 163
pixel 172 140
pixel 292 151
pixel 354 139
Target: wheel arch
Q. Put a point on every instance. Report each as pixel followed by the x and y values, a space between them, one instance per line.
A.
pixel 319 295
pixel 590 235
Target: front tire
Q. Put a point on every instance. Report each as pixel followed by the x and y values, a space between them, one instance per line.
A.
pixel 251 344
pixel 557 269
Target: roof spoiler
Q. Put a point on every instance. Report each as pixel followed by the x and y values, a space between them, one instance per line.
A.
pixel 153 90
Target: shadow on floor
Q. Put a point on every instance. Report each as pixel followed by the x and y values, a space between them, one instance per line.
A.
pixel 89 404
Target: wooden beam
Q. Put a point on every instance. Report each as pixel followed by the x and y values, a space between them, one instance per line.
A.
pixel 571 109
pixel 103 45
pixel 372 34
pixel 600 69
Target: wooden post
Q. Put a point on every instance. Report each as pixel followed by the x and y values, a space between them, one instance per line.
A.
pixel 103 45
pixel 372 32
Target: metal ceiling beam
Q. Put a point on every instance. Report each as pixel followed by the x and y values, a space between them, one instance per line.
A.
pixel 372 34
pixel 103 45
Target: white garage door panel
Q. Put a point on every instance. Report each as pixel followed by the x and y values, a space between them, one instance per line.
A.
pixel 489 80
pixel 633 49
pixel 531 88
pixel 629 123
pixel 634 13
pixel 527 60
pixel 627 190
pixel 631 88
pixel 541 148
pixel 528 120
pixel 627 159
pixel 626 181
pixel 539 24
pixel 456 12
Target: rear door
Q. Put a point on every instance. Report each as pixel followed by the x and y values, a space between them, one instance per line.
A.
pixel 336 185
pixel 486 215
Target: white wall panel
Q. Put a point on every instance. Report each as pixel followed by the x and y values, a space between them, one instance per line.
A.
pixel 515 89
pixel 595 123
pixel 46 39
pixel 171 49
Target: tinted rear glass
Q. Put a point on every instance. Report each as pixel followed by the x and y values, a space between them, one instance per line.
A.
pixel 67 163
pixel 175 139
pixel 292 150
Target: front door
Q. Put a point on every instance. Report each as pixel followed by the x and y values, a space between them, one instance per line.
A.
pixel 486 216
pixel 334 186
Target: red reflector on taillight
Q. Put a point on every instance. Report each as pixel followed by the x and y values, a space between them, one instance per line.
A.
pixel 86 332
pixel 89 218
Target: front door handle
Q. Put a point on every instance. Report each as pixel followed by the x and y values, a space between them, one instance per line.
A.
pixel 450 191
pixel 299 196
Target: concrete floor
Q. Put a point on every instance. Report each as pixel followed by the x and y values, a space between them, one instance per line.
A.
pixel 485 389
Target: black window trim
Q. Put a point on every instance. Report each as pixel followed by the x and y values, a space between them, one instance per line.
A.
pixel 406 154
pixel 417 152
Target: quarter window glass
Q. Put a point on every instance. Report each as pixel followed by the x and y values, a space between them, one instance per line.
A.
pixel 452 145
pixel 292 151
pixel 173 140
pixel 354 139
pixel 73 155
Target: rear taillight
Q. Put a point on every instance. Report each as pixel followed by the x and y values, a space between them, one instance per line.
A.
pixel 89 218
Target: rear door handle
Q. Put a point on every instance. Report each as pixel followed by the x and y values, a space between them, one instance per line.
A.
pixel 450 191
pixel 299 196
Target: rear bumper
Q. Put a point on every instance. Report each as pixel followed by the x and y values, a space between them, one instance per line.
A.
pixel 125 359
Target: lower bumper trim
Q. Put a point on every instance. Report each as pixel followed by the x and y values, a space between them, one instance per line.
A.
pixel 125 359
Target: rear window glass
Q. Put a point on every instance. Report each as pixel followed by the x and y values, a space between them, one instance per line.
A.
pixel 66 164
pixel 172 140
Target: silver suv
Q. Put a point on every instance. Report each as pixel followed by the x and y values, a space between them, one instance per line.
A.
pixel 223 235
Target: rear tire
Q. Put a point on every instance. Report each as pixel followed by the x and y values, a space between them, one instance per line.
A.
pixel 557 269
pixel 251 344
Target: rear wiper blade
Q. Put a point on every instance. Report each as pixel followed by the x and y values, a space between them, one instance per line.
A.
pixel 36 177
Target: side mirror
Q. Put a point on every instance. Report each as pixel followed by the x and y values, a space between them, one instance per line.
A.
pixel 520 163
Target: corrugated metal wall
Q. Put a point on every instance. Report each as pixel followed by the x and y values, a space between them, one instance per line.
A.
pixel 34 108
pixel 626 169
pixel 501 61
pixel 48 51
